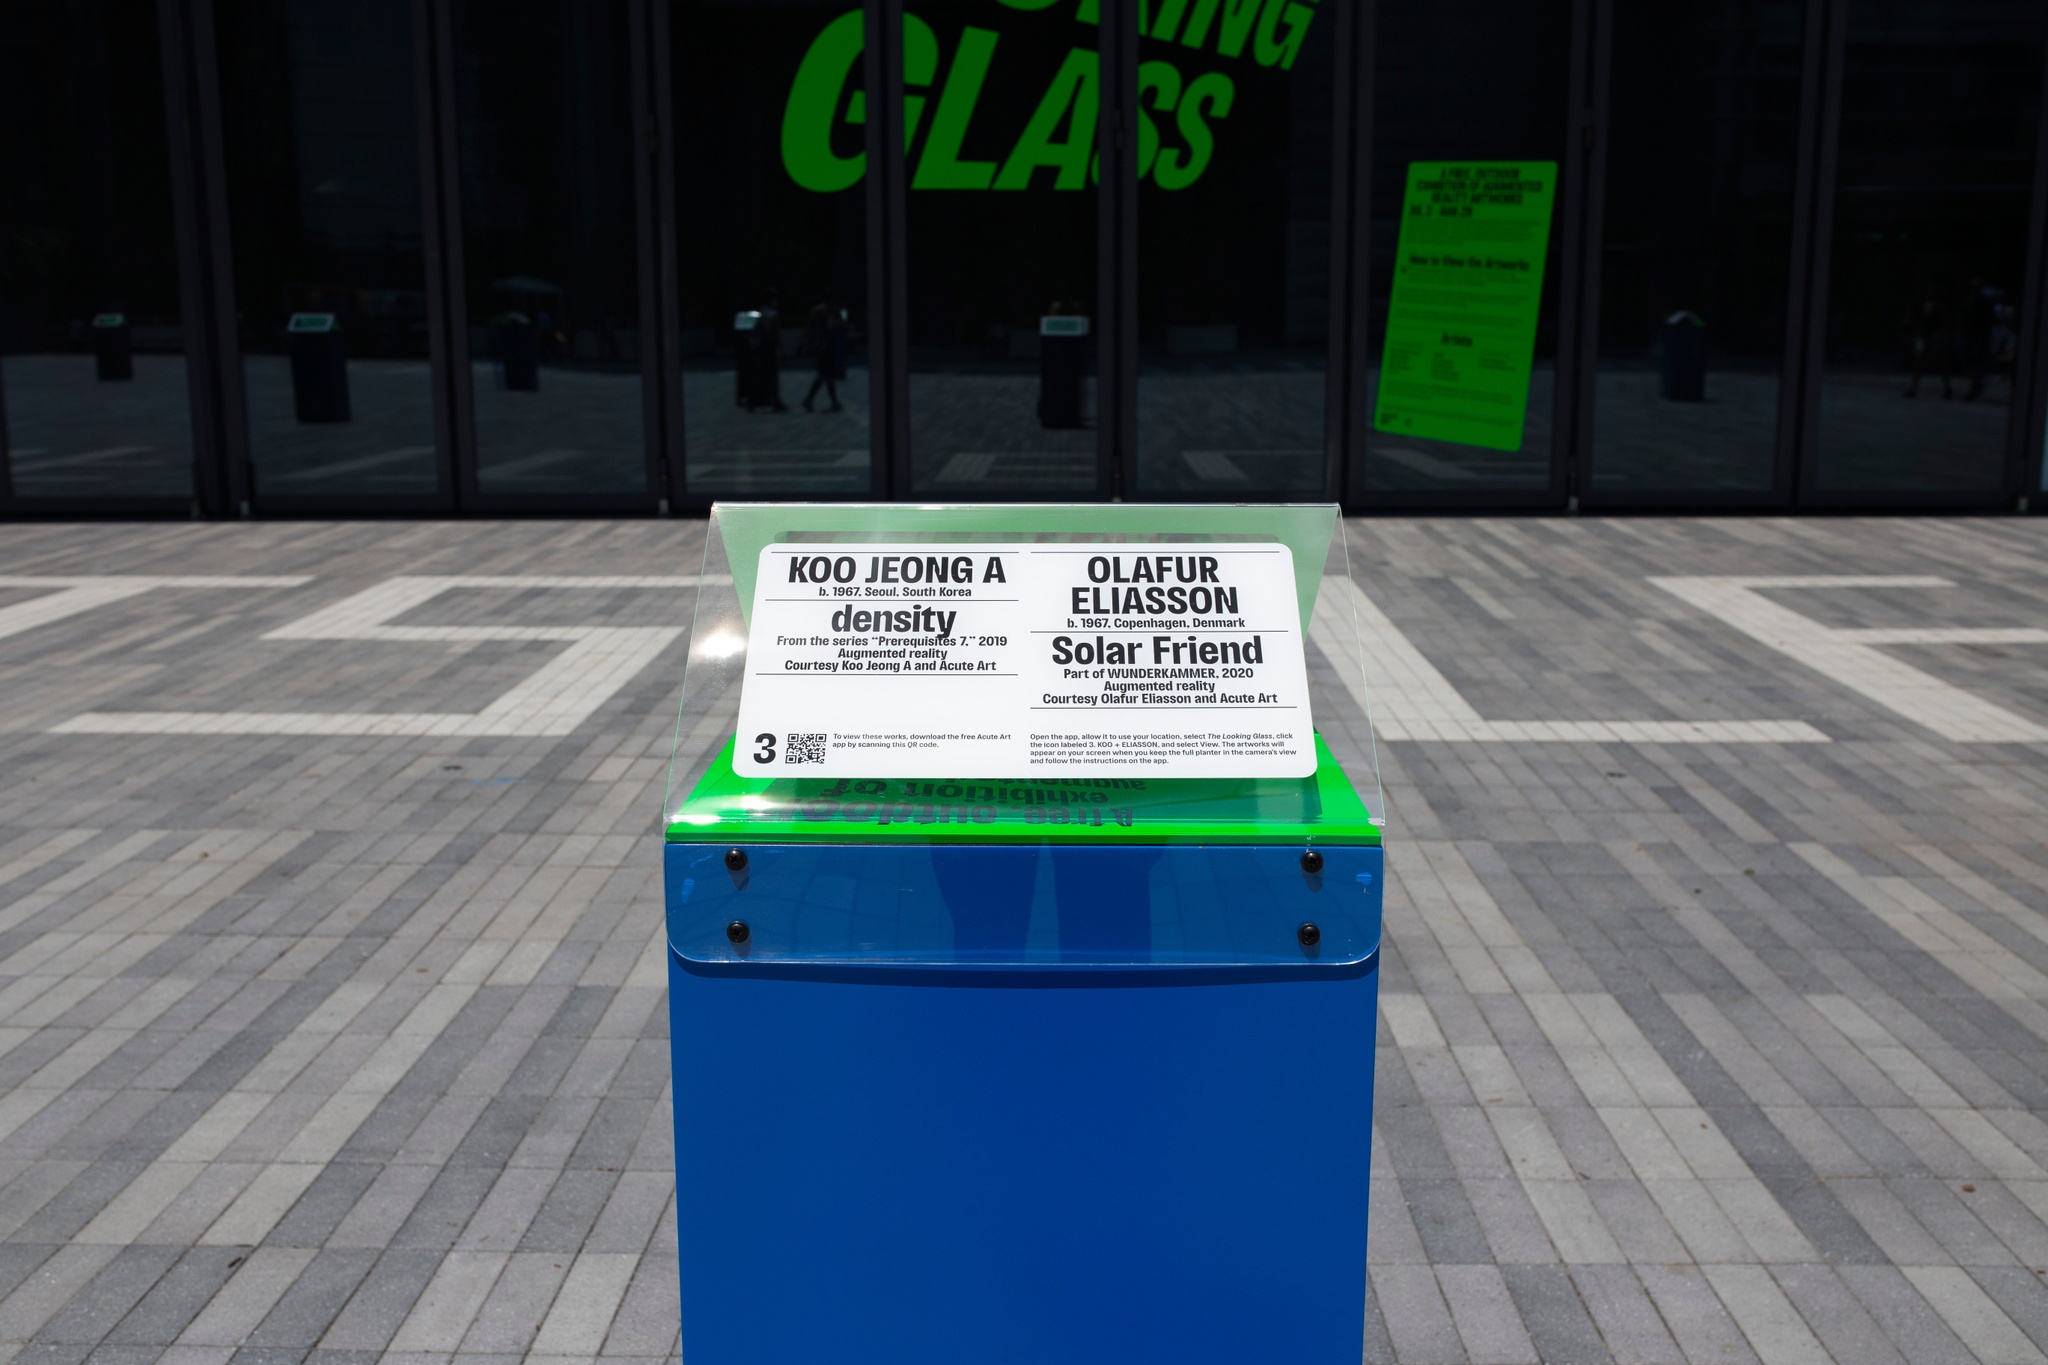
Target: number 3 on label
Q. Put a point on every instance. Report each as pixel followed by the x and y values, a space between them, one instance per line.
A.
pixel 766 753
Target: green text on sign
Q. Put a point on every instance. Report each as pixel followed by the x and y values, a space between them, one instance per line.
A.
pixel 1176 114
pixel 1468 279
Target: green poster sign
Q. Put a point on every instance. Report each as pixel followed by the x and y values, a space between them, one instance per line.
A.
pixel 1468 278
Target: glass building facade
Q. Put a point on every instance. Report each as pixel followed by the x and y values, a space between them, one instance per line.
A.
pixel 616 256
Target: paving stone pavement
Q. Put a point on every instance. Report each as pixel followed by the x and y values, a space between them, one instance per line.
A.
pixel 1715 989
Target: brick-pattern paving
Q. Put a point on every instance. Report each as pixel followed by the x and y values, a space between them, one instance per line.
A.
pixel 1715 1018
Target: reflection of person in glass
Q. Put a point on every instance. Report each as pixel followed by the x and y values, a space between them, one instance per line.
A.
pixel 2005 339
pixel 826 339
pixel 1976 319
pixel 1928 336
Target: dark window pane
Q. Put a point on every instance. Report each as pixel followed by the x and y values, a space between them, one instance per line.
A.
pixel 1941 107
pixel 1697 244
pixel 772 242
pixel 1234 250
pixel 1001 104
pixel 1465 81
pixel 552 273
pixel 321 115
pixel 92 362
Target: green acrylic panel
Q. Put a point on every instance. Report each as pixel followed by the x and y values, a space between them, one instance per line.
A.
pixel 1468 284
pixel 1323 809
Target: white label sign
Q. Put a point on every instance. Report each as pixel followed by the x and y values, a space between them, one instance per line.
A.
pixel 1048 660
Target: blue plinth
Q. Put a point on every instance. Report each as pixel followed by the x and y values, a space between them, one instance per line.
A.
pixel 1024 1105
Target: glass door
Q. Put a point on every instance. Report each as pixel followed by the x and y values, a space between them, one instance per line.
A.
pixel 1000 112
pixel 321 115
pixel 93 384
pixel 1696 251
pixel 1941 110
pixel 1464 94
pixel 771 107
pixel 551 310
pixel 1234 202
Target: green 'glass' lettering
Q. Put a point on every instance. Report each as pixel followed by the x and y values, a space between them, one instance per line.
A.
pixel 1210 94
pixel 1061 133
pixel 808 118
pixel 1073 92
pixel 940 168
pixel 920 67
pixel 1237 24
pixel 1161 79
pixel 1268 47
pixel 1166 21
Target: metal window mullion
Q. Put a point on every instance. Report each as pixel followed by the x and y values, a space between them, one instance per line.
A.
pixel 1825 71
pixel 2028 428
pixel 887 252
pixel 651 275
pixel 441 171
pixel 1116 260
pixel 661 71
pixel 1578 257
pixel 206 290
pixel 1592 249
pixel 1355 180
pixel 1350 219
pixel 433 258
pixel 1800 313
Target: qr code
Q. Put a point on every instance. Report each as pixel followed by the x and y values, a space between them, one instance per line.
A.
pixel 804 749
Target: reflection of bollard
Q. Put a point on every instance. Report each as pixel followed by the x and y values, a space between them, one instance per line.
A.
pixel 113 347
pixel 319 367
pixel 758 362
pixel 1682 358
pixel 1062 362
pixel 518 353
pixel 743 357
